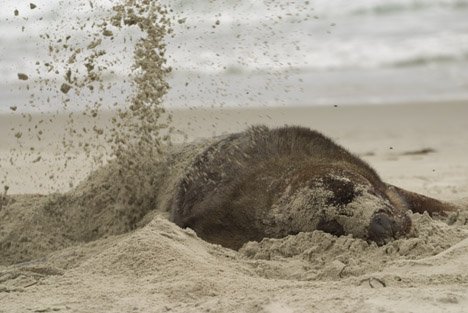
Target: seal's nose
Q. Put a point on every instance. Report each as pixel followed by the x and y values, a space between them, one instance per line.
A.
pixel 381 228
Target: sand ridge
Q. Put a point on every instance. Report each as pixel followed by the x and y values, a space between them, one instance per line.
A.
pixel 162 267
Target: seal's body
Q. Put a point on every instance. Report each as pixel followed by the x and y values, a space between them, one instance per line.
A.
pixel 273 183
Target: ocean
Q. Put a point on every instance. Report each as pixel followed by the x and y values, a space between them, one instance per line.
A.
pixel 248 53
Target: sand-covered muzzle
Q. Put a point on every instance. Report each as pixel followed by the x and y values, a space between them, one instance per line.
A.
pixel 315 207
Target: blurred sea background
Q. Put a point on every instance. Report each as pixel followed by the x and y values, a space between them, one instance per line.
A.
pixel 250 53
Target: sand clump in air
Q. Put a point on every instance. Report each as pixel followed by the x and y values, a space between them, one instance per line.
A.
pixel 81 75
pixel 116 197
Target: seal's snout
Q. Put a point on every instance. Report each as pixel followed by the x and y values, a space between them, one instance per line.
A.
pixel 381 228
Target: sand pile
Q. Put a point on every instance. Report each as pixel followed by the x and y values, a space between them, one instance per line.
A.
pixel 161 267
pixel 104 204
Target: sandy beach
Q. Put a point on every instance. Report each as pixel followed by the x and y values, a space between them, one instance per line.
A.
pixel 91 196
pixel 159 267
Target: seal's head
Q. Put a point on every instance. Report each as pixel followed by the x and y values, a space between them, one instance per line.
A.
pixel 341 203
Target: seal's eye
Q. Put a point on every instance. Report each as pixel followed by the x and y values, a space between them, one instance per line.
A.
pixel 343 191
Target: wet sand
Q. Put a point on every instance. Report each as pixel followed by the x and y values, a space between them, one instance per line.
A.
pixel 161 268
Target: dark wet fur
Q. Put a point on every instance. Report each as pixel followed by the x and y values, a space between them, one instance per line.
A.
pixel 232 185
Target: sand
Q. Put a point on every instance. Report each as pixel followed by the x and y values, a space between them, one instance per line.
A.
pixel 109 264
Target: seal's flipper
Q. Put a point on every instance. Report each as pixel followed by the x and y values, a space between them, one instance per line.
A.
pixel 418 203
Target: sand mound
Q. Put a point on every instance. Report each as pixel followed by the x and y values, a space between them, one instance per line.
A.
pixel 113 200
pixel 161 267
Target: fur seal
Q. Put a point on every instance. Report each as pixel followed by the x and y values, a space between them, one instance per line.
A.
pixel 276 182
